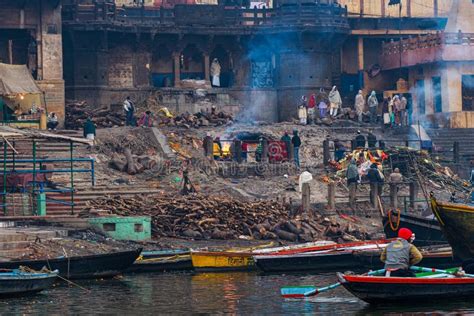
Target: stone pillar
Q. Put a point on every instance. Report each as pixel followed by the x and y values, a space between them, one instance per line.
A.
pixel 177 70
pixel 413 193
pixel 265 150
pixel 374 194
pixel 332 195
pixel 306 198
pixel 352 194
pixel 382 6
pixel 326 153
pixel 360 53
pixel 393 195
pixel 435 7
pixel 207 68
pixel 238 150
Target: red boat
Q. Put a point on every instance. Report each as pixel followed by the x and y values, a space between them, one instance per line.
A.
pixel 376 290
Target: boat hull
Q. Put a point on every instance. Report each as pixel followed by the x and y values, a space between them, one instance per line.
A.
pixel 457 223
pixel 307 262
pixel 25 283
pixel 82 267
pixel 427 231
pixel 184 264
pixel 209 261
pixel 377 290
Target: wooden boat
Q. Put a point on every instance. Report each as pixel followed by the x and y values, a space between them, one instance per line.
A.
pixel 440 258
pixel 16 282
pixel 377 289
pixel 337 257
pixel 82 267
pixel 222 261
pixel 162 261
pixel 457 223
pixel 427 230
pixel 242 259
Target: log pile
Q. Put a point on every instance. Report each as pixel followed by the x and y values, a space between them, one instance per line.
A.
pixel 199 119
pixel 217 217
pixel 78 111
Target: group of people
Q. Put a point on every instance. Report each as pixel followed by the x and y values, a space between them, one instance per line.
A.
pixel 146 119
pixel 393 110
pixel 317 106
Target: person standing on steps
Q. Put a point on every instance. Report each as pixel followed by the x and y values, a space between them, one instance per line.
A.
pixel 296 141
pixel 335 101
pixel 373 104
pixel 129 109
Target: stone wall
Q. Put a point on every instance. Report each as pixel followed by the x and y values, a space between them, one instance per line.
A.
pixel 54 97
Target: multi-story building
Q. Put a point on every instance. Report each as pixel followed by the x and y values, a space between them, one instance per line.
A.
pixel 31 34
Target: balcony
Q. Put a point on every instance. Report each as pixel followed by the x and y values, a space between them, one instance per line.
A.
pixel 430 48
pixel 208 18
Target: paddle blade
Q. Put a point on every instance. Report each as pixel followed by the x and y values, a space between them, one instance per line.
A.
pixel 296 291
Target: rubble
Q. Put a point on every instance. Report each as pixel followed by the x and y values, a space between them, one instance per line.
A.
pixel 222 217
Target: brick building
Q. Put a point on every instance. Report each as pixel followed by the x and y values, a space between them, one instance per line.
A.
pixel 31 34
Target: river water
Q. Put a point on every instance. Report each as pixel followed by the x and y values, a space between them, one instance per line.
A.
pixel 209 293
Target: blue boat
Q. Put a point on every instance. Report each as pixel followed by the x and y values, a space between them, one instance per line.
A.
pixel 17 283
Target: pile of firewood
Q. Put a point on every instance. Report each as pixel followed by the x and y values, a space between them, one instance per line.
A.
pixel 77 113
pixel 217 217
pixel 199 119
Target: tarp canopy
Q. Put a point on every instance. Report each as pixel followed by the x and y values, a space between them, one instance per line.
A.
pixel 16 79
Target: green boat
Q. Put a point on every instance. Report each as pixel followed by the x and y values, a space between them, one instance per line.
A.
pixel 457 223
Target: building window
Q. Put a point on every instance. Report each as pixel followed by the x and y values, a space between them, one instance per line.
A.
pixel 468 92
pixel 437 100
pixel 420 96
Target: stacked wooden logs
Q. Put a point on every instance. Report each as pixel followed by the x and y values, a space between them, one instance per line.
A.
pixel 77 113
pixel 218 217
pixel 199 119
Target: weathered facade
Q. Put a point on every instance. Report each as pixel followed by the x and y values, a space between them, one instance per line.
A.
pixel 440 70
pixel 269 56
pixel 31 34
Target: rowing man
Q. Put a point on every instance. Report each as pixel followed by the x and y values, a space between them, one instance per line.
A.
pixel 400 254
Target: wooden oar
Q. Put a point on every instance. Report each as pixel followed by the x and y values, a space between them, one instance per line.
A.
pixel 422 269
pixel 309 290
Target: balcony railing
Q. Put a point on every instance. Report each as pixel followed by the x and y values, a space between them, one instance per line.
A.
pixel 427 41
pixel 323 15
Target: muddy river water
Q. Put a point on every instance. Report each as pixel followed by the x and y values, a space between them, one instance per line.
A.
pixel 210 293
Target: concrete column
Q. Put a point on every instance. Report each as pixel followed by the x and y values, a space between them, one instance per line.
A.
pixel 373 194
pixel 360 53
pixel 361 9
pixel 394 195
pixel 435 7
pixel 207 68
pixel 408 3
pixel 306 198
pixel 326 153
pixel 331 195
pixel 176 63
pixel 360 60
pixel 352 194
pixel 382 8
pixel 265 150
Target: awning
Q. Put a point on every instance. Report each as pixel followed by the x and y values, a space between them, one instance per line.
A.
pixel 17 79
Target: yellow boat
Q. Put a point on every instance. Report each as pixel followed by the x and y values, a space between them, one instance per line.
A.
pixel 222 261
pixel 239 259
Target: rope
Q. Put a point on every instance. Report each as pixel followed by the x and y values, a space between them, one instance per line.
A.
pixel 390 220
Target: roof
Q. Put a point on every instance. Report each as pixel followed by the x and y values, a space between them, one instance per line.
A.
pixel 16 79
pixel 7 132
